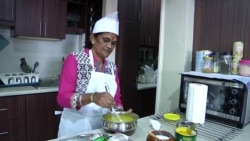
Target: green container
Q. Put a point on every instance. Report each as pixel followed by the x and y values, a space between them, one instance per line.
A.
pixel 183 133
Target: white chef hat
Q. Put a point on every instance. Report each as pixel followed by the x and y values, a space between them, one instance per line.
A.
pixel 108 23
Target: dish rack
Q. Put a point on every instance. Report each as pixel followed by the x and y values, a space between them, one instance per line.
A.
pixel 18 79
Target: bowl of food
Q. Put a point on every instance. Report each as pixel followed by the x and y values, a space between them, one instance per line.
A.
pixel 160 135
pixel 120 121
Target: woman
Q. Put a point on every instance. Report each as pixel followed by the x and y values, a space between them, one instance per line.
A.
pixel 89 83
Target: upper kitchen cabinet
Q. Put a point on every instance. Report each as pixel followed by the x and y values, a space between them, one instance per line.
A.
pixel 129 10
pixel 150 23
pixel 76 16
pixel 40 19
pixel 7 12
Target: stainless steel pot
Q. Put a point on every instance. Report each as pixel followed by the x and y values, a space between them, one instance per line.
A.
pixel 121 122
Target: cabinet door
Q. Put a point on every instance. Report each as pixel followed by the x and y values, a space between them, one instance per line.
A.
pixel 129 10
pixel 12 118
pixel 42 123
pixel 29 18
pixel 40 18
pixel 147 102
pixel 7 12
pixel 150 23
pixel 13 130
pixel 54 19
pixel 127 53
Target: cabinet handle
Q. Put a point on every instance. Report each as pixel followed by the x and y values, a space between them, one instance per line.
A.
pixel 3 133
pixel 45 29
pixel 12 11
pixel 3 109
pixel 40 28
pixel 139 15
pixel 149 41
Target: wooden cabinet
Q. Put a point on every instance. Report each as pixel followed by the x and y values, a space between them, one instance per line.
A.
pixel 150 23
pixel 76 16
pixel 42 123
pixel 146 102
pixel 40 18
pixel 12 118
pixel 129 10
pixel 29 117
pixel 7 12
pixel 127 52
pixel 218 24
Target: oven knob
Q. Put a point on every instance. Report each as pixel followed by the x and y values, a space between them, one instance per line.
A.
pixel 234 91
pixel 233 101
pixel 233 111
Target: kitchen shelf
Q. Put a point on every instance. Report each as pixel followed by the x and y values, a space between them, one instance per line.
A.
pixel 76 16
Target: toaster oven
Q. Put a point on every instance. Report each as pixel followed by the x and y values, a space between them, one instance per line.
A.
pixel 228 99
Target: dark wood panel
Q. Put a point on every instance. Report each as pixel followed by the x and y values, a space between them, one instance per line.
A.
pixel 12 107
pixel 7 12
pixel 127 61
pixel 219 23
pixel 42 124
pixel 129 10
pixel 147 102
pixel 13 130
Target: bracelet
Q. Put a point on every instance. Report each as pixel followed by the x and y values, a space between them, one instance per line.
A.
pixel 80 99
pixel 92 97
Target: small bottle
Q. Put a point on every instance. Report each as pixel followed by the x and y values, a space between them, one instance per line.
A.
pixel 208 65
pixel 216 60
pixel 226 63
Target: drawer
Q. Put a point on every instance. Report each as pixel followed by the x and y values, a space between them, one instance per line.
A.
pixel 13 130
pixel 12 107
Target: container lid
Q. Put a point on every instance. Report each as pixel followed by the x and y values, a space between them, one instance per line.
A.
pixel 171 116
pixel 247 62
pixel 207 58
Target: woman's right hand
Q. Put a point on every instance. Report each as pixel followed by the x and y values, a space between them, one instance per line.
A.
pixel 104 100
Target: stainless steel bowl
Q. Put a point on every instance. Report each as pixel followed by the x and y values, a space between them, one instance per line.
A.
pixel 121 122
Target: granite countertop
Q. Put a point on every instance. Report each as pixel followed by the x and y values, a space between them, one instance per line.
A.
pixel 141 86
pixel 24 90
pixel 143 128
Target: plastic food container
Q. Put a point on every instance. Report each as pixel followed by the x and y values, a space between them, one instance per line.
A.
pixel 244 67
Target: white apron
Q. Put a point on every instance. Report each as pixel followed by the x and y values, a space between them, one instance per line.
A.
pixel 89 116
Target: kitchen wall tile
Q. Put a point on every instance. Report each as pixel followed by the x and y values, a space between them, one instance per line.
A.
pixel 49 54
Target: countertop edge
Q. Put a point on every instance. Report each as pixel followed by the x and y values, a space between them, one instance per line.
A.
pixel 29 90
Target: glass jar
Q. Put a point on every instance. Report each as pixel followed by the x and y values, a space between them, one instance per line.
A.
pixel 225 64
pixel 216 60
pixel 208 65
pixel 244 68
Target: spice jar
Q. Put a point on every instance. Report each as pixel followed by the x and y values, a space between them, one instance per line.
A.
pixel 216 60
pixel 225 64
pixel 238 50
pixel 208 65
pixel 244 67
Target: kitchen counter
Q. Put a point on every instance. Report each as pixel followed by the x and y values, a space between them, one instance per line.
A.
pixel 21 90
pixel 141 86
pixel 24 90
pixel 211 134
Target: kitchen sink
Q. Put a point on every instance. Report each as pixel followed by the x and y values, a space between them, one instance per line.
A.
pixel 47 83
